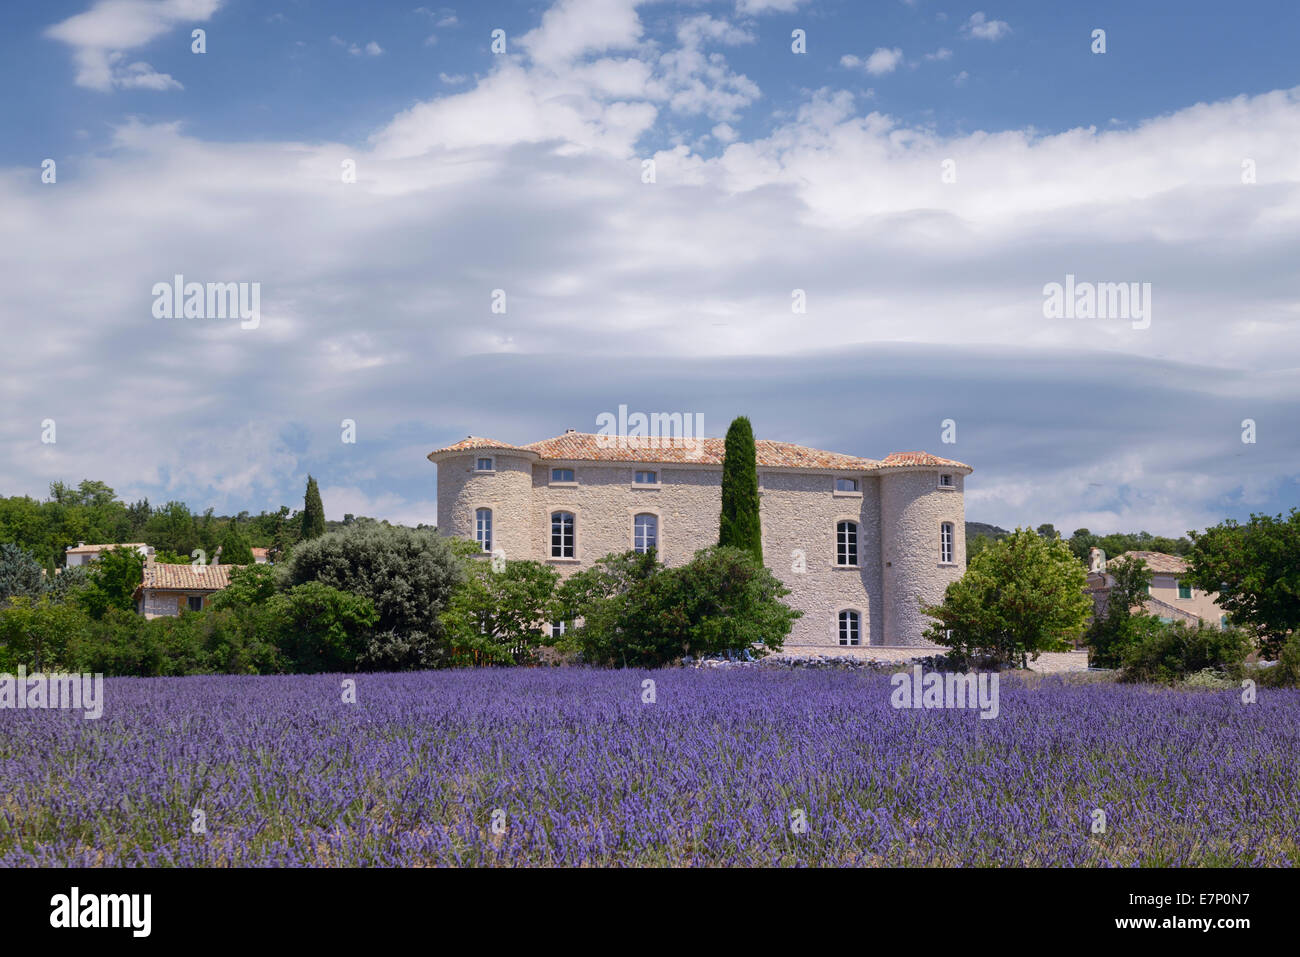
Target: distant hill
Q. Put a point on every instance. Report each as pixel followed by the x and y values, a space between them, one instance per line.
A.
pixel 979 528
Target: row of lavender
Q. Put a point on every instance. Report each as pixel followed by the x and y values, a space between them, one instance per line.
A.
pixel 571 767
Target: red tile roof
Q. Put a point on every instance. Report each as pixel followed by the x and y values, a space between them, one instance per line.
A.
pixel 585 446
pixel 187 577
pixel 92 549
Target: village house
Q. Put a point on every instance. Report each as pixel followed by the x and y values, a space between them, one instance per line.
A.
pixel 860 542
pixel 1168 598
pixel 168 590
pixel 83 554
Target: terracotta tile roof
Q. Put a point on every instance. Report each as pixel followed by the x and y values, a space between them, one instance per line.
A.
pixel 260 552
pixel 586 446
pixel 1156 561
pixel 905 459
pixel 473 442
pixel 187 577
pixel 92 549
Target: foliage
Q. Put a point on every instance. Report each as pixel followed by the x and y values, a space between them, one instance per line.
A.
pixel 249 585
pixel 1110 634
pixel 235 549
pixel 313 512
pixel 638 613
pixel 322 628
pixel 20 573
pixel 113 580
pixel 68 583
pixel 36 632
pixel 739 525
pixel 1171 652
pixel 1022 595
pixel 409 575
pixel 1286 673
pixel 1255 568
pixel 500 617
pixel 1082 541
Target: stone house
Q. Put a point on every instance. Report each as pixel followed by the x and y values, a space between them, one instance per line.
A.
pixel 83 554
pixel 168 590
pixel 1167 597
pixel 860 542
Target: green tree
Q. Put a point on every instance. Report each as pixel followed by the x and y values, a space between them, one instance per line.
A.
pixel 1119 627
pixel 322 628
pixel 313 512
pixel 638 613
pixel 409 575
pixel 20 573
pixel 249 585
pixel 501 616
pixel 235 549
pixel 1048 531
pixel 36 633
pixel 1021 596
pixel 1255 569
pixel 113 580
pixel 739 525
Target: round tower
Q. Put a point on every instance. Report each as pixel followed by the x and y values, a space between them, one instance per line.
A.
pixel 923 544
pixel 477 476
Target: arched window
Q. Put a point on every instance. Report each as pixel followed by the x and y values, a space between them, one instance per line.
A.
pixel 850 628
pixel 645 532
pixel 846 543
pixel 562 525
pixel 483 528
pixel 945 543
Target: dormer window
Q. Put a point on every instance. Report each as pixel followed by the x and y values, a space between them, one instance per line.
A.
pixel 945 481
pixel 847 485
pixel 561 475
pixel 483 465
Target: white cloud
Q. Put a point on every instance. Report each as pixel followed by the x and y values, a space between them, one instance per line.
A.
pixel 984 29
pixel 883 60
pixel 767 6
pixel 101 36
pixel 943 53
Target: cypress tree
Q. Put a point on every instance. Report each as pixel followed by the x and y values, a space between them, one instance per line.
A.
pixel 739 524
pixel 235 549
pixel 313 512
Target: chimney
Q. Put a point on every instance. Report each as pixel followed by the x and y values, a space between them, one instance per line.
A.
pixel 570 431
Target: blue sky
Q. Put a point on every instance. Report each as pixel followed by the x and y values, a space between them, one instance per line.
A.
pixel 774 171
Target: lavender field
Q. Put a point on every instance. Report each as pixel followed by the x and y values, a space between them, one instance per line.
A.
pixel 585 773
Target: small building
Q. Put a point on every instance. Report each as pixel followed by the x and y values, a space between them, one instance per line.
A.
pixel 83 554
pixel 1168 597
pixel 261 556
pixel 168 590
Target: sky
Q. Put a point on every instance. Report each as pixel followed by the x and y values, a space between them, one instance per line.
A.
pixel 651 188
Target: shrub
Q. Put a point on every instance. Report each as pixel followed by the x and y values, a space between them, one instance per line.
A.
pixel 322 628
pixel 500 617
pixel 37 632
pixel 1022 595
pixel 638 613
pixel 1286 673
pixel 408 574
pixel 1168 653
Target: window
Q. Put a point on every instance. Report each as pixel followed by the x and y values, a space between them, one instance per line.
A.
pixel 846 543
pixel 645 532
pixel 1184 591
pixel 1223 621
pixel 562 534
pixel 846 485
pixel 558 628
pixel 483 528
pixel 945 543
pixel 945 481
pixel 561 475
pixel 850 628
pixel 647 478
pixel 483 465
pixel 196 602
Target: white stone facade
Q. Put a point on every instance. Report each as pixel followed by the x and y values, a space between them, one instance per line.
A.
pixel 899 512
